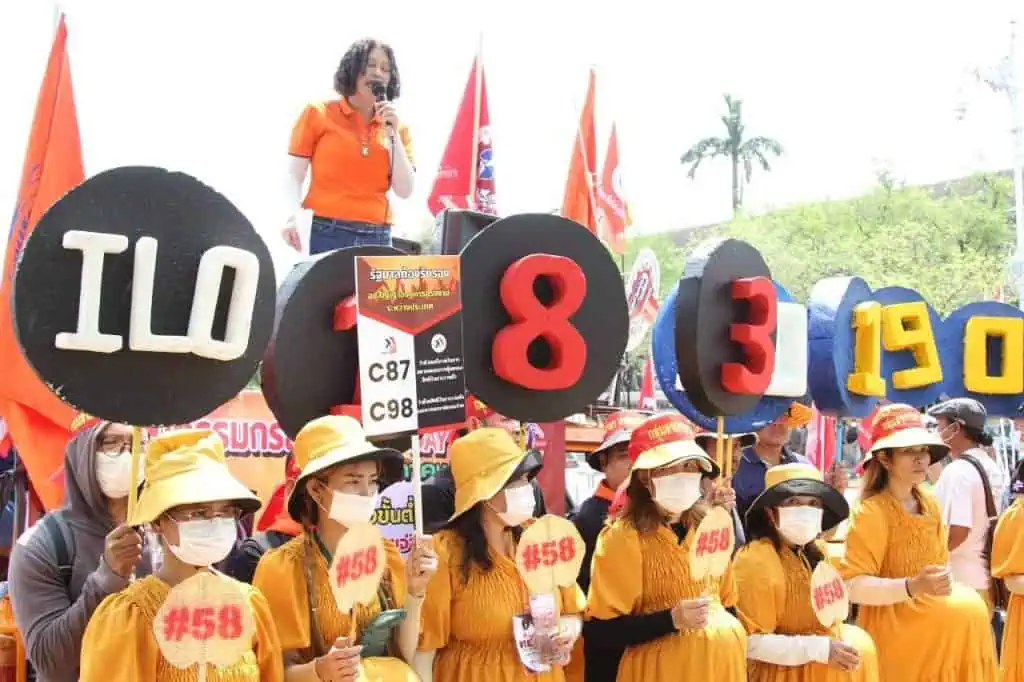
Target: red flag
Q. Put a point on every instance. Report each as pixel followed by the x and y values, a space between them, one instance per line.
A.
pixel 647 399
pixel 613 212
pixel 38 421
pixel 821 440
pixel 579 203
pixel 465 178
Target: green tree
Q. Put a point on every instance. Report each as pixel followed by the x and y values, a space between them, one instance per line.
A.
pixel 735 146
pixel 948 243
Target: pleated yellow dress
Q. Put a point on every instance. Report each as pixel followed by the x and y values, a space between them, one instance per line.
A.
pixel 927 639
pixel 1007 560
pixel 469 622
pixel 119 645
pixel 641 573
pixel 774 587
pixel 281 576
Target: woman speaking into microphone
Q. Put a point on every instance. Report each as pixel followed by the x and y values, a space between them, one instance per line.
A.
pixel 355 150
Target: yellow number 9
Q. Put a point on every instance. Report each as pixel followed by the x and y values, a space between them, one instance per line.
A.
pixel 907 326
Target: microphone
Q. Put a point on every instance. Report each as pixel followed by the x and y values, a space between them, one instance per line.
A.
pixel 380 93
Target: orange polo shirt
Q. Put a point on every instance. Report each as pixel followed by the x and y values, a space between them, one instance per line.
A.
pixel 345 183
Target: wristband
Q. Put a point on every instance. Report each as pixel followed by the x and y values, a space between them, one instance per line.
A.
pixel 906 586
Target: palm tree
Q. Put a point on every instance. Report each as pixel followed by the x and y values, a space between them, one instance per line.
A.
pixel 736 148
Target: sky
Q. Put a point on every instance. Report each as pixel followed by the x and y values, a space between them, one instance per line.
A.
pixel 212 88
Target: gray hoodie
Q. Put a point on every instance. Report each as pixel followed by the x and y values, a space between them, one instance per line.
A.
pixel 51 620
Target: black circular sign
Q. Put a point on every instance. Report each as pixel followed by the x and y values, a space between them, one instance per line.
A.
pixel 309 367
pixel 600 318
pixel 704 310
pixel 186 219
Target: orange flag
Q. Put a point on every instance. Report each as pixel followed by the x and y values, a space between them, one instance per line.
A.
pixel 579 203
pixel 38 421
pixel 613 211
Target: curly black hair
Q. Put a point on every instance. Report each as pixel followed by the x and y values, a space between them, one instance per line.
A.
pixel 353 64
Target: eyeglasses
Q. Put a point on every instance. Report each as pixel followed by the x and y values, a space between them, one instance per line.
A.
pixel 204 515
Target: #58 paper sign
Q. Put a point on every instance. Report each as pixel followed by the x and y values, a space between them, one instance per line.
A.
pixel 713 544
pixel 205 619
pixel 549 554
pixel 357 567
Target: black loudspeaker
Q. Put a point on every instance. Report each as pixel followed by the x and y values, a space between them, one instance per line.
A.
pixel 458 226
pixel 411 247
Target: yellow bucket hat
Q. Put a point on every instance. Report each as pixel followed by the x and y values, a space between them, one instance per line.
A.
pixel 482 462
pixel 188 467
pixel 336 439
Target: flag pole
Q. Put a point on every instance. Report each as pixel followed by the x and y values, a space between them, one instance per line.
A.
pixel 478 71
pixel 586 162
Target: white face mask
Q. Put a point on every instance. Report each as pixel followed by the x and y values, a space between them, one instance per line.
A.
pixel 519 505
pixel 676 493
pixel 800 525
pixel 350 510
pixel 204 541
pixel 114 473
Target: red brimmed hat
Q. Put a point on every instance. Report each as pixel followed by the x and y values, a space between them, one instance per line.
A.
pixel 667 439
pixel 618 429
pixel 901 426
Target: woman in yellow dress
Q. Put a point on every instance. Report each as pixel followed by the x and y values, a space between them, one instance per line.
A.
pixel 924 626
pixel 642 566
pixel 341 474
pixel 787 642
pixel 468 633
pixel 1008 564
pixel 192 503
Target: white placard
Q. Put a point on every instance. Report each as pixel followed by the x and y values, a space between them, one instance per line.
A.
pixel 387 378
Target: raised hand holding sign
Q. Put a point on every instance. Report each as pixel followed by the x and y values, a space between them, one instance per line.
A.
pixel 205 620
pixel 549 556
pixel 145 297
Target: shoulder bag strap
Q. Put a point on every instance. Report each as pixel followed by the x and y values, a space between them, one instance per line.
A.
pixel 316 640
pixel 997 588
pixel 53 527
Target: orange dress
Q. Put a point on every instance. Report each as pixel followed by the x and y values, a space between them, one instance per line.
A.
pixel 774 587
pixel 1008 560
pixel 926 639
pixel 642 573
pixel 119 644
pixel 281 576
pixel 469 622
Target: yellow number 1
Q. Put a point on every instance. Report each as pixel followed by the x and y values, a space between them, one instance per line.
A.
pixel 866 378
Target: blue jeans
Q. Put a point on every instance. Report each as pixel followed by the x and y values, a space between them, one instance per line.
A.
pixel 327 234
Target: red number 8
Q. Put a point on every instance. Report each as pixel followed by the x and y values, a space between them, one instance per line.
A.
pixel 753 376
pixel 532 320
